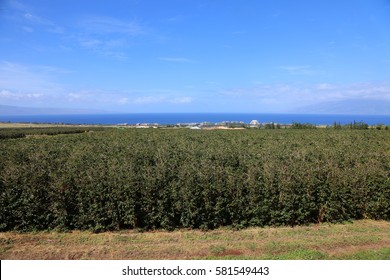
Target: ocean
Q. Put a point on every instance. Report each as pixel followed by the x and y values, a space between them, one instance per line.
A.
pixel 174 118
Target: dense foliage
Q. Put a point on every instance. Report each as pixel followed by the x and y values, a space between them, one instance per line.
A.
pixel 180 178
pixel 9 133
pixel 296 125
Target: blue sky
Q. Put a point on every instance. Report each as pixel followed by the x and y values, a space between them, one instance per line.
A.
pixel 278 56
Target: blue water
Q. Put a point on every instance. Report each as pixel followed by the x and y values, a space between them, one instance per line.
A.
pixel 174 118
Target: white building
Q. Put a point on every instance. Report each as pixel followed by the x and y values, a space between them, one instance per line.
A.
pixel 254 123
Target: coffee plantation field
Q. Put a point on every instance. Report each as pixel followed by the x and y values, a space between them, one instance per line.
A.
pixel 180 178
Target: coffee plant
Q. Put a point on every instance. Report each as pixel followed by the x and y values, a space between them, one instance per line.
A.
pixel 179 178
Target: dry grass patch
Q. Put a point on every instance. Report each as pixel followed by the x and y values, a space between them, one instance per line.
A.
pixel 365 239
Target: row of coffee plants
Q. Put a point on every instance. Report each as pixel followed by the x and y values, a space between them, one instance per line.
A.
pixel 179 178
pixel 12 133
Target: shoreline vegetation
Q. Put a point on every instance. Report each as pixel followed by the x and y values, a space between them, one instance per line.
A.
pixel 112 192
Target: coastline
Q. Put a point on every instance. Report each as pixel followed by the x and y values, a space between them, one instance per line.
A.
pixel 194 118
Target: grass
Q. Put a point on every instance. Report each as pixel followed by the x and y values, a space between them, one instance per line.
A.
pixel 365 239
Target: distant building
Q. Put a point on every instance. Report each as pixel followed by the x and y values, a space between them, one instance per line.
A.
pixel 254 123
pixel 206 124
pixel 147 125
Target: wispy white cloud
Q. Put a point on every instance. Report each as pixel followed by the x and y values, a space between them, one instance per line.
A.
pixel 30 78
pixel 97 97
pixel 48 25
pixel 181 100
pixel 276 97
pixel 28 29
pixel 107 48
pixel 123 100
pixel 160 99
pixel 324 86
pixel 149 99
pixel 102 35
pixel 106 36
pixel 35 19
pixel 17 5
pixel 90 43
pixel 101 25
pixel 117 55
pixel 177 18
pixel 37 85
pixel 25 16
pixel 177 59
pixel 8 95
pixel 30 85
pixel 298 69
